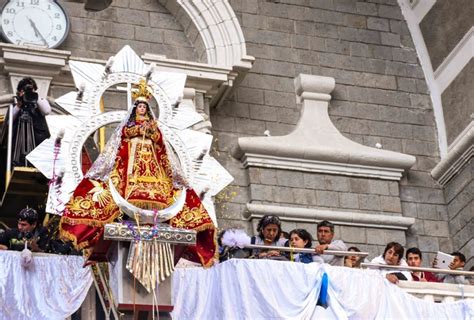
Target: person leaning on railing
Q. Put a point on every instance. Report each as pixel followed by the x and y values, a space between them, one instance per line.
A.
pixel 458 263
pixel 353 261
pixel 269 231
pixel 393 255
pixel 325 235
pixel 415 259
pixel 300 238
pixel 28 232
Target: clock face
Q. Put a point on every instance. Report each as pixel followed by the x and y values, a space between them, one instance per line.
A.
pixel 41 23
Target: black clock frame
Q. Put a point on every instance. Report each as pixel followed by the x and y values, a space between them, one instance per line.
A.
pixel 66 34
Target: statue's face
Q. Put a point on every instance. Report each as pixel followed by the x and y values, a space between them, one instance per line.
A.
pixel 141 109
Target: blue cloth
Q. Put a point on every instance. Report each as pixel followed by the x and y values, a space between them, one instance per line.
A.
pixel 323 291
pixel 306 257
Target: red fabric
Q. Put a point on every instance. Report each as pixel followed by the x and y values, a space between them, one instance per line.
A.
pixel 428 276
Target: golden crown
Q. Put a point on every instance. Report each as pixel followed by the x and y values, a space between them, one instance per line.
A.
pixel 140 91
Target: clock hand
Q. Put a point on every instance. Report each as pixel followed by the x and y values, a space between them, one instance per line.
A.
pixel 37 32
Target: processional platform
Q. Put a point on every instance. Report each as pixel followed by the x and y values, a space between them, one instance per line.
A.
pixel 127 292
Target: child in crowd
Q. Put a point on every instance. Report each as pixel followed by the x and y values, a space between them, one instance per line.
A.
pixel 300 238
pixel 269 231
pixel 352 261
pixel 393 256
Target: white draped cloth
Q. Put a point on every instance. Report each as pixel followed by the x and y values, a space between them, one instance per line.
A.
pixel 53 287
pixel 265 289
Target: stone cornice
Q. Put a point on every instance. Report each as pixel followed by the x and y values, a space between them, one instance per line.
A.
pixel 52 65
pixel 296 214
pixel 214 81
pixel 459 153
pixel 298 164
pixel 40 63
pixel 32 60
pixel 316 145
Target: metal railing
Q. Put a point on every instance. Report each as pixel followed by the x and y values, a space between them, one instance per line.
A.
pixel 308 250
pixel 416 269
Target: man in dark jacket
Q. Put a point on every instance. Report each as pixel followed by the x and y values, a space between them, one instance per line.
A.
pixel 28 231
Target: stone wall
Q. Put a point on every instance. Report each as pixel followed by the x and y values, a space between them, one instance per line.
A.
pixel 331 192
pixel 458 102
pixel 459 194
pixel 380 97
pixel 145 25
pixel 444 25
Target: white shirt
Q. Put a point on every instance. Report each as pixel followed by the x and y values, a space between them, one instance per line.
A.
pixel 384 272
pixel 333 260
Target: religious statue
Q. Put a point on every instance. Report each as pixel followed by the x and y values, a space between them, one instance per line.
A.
pixel 138 168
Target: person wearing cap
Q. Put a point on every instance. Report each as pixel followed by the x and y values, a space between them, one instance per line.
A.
pixel 28 230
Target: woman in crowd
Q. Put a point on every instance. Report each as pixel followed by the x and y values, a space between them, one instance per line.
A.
pixel 300 238
pixel 393 256
pixel 269 230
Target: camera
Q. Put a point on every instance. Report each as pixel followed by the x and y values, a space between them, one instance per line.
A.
pixel 30 97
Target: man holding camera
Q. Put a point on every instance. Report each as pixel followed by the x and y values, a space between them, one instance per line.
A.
pixel 29 122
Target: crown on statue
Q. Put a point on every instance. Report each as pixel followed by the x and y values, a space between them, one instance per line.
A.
pixel 141 91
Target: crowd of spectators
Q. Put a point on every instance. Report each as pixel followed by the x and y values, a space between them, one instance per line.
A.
pixel 30 234
pixel 269 233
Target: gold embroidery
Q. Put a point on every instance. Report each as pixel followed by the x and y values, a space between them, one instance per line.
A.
pixel 190 218
pixel 146 178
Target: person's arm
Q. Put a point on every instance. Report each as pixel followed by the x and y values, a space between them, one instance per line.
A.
pixel 16 112
pixel 43 106
pixel 392 278
pixel 39 242
pixel 320 248
pixel 431 277
pixel 334 245
pixel 461 280
pixel 338 245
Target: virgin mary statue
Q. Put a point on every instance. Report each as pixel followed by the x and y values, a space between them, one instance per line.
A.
pixel 141 167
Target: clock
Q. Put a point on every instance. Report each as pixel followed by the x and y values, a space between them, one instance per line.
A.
pixel 41 23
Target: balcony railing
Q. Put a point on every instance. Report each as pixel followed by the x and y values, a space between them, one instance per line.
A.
pixel 438 292
pixel 432 291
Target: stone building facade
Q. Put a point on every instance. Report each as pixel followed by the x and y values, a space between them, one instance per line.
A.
pixel 383 100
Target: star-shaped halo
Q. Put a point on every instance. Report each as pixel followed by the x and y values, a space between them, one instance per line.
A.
pixel 84 117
